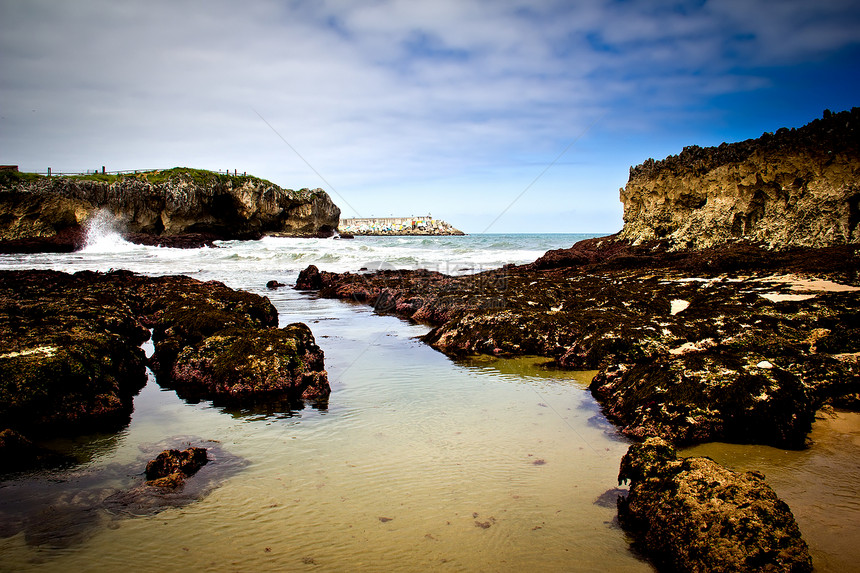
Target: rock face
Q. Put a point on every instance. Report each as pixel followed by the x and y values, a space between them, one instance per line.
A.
pixel 33 221
pixel 797 187
pixel 163 204
pixel 71 359
pixel 694 515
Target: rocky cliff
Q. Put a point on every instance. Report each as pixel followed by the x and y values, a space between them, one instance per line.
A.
pixel 795 187
pixel 164 204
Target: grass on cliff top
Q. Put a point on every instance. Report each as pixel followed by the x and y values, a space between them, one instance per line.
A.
pixel 198 176
pixel 9 178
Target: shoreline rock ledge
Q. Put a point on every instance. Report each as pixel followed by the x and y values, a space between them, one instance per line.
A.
pixel 175 207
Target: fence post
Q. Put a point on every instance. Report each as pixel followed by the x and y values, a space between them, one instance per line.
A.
pixel 49 171
pixel 103 169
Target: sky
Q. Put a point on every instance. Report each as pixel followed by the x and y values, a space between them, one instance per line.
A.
pixel 496 116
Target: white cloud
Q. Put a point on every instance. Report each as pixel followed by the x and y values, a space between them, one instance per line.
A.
pixel 384 95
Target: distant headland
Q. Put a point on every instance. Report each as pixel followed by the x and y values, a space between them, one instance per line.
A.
pixel 396 226
pixel 172 207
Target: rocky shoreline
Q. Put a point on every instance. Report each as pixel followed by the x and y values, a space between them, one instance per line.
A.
pixel 72 359
pixel 684 347
pixel 733 343
pixel 725 310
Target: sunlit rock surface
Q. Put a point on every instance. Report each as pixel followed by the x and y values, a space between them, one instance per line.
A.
pixel 794 187
pixel 691 514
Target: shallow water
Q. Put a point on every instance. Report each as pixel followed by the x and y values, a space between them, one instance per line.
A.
pixel 417 463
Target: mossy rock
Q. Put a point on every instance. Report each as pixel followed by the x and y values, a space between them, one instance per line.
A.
pixel 72 361
pixel 239 364
pixel 691 514
pixel 707 396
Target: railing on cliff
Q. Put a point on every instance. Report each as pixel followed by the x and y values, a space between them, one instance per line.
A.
pixel 51 173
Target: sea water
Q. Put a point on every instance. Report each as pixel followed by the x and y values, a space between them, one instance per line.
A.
pixel 418 462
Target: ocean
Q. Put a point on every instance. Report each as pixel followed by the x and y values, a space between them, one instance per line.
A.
pixel 419 462
pixel 242 263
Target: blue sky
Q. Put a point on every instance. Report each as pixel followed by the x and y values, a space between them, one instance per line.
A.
pixel 498 116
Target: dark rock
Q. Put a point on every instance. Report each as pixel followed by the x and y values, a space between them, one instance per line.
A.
pixel 179 241
pixel 72 360
pixel 213 342
pixel 174 489
pixel 237 364
pixel 274 285
pixel 691 514
pixel 309 279
pixel 172 467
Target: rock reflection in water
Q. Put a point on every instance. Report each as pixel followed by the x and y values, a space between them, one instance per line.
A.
pixel 62 509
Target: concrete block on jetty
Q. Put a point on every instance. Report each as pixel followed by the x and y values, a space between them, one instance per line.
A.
pixel 397 226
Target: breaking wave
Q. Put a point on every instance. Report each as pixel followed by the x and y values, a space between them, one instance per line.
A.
pixel 103 236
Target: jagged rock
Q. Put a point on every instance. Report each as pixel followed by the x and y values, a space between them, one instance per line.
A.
pixel 176 207
pixel 171 468
pixel 691 514
pixel 798 187
pixel 309 279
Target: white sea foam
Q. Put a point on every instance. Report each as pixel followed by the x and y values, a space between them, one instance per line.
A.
pixel 247 262
pixel 103 236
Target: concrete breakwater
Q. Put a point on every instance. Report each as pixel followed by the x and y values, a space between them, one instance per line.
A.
pixel 397 226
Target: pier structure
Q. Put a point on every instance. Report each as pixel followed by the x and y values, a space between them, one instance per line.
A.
pixel 424 225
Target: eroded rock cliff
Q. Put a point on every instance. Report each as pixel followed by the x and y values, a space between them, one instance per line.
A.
pixel 795 187
pixel 164 204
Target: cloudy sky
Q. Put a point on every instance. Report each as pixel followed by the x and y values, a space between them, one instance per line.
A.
pixel 498 116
